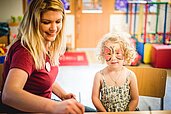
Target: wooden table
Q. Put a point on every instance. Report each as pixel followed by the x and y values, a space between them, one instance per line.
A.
pixel 135 112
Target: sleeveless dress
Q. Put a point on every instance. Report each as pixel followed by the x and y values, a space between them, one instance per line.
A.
pixel 115 98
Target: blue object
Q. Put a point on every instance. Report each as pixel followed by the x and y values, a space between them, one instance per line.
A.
pixel 66 4
pixel 2 59
pixel 140 49
pixel 4 29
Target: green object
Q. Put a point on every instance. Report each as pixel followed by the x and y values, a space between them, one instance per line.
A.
pixel 157 18
pixel 157 2
pixel 13 18
pixel 20 18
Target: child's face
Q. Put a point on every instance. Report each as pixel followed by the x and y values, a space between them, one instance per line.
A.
pixel 112 52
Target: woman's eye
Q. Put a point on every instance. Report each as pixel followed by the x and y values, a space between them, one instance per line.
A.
pixel 58 21
pixel 45 22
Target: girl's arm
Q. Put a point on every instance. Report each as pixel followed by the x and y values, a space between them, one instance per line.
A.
pixel 14 96
pixel 134 92
pixel 96 93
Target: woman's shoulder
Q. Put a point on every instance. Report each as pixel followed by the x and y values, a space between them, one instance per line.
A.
pixel 18 48
pixel 17 45
pixel 19 52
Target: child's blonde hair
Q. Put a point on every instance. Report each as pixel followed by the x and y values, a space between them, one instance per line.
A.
pixel 124 40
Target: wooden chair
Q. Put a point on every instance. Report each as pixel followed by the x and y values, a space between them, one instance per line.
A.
pixel 151 82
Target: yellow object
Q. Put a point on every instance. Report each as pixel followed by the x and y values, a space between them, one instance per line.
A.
pixel 140 26
pixel 147 53
pixel 2 51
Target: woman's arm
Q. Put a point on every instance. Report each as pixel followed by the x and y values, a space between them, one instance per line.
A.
pixel 96 93
pixel 134 92
pixel 14 96
pixel 60 92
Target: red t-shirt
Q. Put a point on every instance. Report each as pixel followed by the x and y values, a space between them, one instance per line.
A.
pixel 39 82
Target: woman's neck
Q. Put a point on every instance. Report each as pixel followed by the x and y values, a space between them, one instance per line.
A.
pixel 47 45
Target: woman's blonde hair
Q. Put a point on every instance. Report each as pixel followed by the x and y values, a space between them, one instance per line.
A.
pixel 118 37
pixel 31 38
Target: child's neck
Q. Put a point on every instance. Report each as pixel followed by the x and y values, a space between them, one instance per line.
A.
pixel 111 69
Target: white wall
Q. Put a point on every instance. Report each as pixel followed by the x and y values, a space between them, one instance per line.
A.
pixel 10 8
pixel 70 30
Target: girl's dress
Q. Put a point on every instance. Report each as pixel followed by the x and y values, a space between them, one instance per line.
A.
pixel 115 98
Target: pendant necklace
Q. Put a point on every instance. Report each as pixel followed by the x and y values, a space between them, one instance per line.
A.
pixel 47 66
pixel 115 81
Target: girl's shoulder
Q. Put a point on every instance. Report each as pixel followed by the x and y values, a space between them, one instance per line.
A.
pixel 100 74
pixel 131 74
pixel 129 71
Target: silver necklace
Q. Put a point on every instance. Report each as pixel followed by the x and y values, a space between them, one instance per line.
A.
pixel 118 76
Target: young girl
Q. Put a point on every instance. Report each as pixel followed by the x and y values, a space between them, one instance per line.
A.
pixel 115 87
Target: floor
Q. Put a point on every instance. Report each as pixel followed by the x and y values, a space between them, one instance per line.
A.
pixel 79 80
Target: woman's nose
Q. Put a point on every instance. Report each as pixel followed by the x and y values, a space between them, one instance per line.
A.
pixel 53 27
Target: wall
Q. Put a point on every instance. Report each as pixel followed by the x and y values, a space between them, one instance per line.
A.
pixel 70 31
pixel 161 18
pixel 10 8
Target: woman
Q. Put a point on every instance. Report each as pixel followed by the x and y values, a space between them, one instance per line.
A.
pixel 31 64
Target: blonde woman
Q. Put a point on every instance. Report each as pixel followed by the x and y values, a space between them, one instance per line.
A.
pixel 31 64
pixel 115 87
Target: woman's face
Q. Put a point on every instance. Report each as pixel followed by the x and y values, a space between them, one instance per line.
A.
pixel 50 25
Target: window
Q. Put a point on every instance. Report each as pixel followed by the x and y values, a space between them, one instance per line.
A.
pixel 92 6
pixel 122 5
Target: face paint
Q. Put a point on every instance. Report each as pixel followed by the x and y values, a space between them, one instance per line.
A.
pixel 110 52
pixel 107 53
pixel 119 54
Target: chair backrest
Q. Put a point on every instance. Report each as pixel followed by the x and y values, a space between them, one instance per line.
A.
pixel 151 81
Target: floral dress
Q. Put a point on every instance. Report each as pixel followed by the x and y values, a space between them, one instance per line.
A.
pixel 115 98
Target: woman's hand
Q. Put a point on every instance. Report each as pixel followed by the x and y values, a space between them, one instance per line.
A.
pixel 69 96
pixel 70 106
